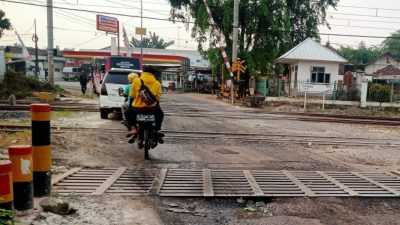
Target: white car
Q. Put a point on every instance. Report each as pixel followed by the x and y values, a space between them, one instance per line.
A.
pixel 110 100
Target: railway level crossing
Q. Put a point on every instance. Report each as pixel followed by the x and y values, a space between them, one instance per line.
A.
pixel 227 183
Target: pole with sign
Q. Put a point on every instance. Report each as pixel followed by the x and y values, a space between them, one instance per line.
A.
pixel 141 31
pixel 109 25
pixel 141 35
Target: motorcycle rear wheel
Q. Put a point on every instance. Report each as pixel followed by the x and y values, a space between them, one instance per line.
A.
pixel 147 144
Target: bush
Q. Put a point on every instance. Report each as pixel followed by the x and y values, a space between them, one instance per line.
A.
pixel 378 92
pixel 6 217
pixel 350 95
pixel 22 86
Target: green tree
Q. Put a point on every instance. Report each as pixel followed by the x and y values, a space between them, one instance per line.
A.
pixel 361 55
pixel 267 28
pixel 392 44
pixel 4 23
pixel 153 41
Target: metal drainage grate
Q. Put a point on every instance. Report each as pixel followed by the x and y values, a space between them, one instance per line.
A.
pixel 227 183
pixel 133 182
pixel 183 183
pixel 262 183
pixel 119 181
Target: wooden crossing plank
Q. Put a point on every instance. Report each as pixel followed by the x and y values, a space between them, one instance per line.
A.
pixel 158 182
pixel 307 191
pixel 114 177
pixel 208 190
pixel 342 186
pixel 253 183
pixel 395 192
pixel 395 172
pixel 65 175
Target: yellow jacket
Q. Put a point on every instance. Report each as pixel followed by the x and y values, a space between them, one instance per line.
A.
pixel 151 82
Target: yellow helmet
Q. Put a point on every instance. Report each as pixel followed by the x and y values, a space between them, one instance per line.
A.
pixel 132 76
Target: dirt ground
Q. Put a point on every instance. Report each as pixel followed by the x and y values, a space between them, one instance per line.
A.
pixel 96 148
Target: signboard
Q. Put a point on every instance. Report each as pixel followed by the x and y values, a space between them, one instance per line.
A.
pixel 238 65
pixel 125 63
pixel 140 31
pixel 107 24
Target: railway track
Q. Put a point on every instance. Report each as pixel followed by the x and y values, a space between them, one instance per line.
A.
pixel 229 114
pixel 55 107
pixel 204 136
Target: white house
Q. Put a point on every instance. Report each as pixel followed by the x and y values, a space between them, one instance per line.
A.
pixel 312 67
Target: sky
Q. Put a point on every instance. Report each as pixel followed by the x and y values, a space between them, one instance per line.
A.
pixel 78 29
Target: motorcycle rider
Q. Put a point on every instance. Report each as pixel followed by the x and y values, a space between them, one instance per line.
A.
pixel 147 79
pixel 128 99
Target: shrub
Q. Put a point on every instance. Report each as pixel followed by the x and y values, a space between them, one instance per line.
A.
pixel 378 92
pixel 21 86
pixel 6 217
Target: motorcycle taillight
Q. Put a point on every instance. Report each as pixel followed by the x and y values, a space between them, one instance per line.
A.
pixel 103 90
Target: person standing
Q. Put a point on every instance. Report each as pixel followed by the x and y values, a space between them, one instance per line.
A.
pixel 83 79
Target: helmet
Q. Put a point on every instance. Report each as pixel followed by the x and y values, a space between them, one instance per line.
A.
pixel 153 70
pixel 132 76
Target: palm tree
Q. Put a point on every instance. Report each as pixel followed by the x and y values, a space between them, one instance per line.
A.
pixel 4 23
pixel 154 41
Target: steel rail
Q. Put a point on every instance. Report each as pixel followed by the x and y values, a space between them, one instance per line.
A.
pixel 243 137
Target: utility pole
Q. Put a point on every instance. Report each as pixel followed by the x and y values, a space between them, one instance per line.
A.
pixel 235 39
pixel 141 35
pixel 50 42
pixel 36 39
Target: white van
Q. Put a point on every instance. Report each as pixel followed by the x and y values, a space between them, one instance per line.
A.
pixel 110 101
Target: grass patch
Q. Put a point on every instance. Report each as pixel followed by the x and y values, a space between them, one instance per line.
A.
pixel 17 138
pixel 23 86
pixel 61 114
pixel 7 217
pixel 16 122
pixel 88 96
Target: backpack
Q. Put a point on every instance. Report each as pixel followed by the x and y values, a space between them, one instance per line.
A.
pixel 146 95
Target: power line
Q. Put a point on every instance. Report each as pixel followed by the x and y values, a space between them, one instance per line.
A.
pixel 365 7
pixel 362 15
pixel 91 11
pixel 359 36
pixel 362 20
pixel 364 27
pixel 77 30
pixel 126 5
pixel 87 20
pixel 162 19
pixel 75 20
pixel 92 39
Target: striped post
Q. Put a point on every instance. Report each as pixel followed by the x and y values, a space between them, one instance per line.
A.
pixel 41 145
pixel 220 37
pixel 21 158
pixel 6 188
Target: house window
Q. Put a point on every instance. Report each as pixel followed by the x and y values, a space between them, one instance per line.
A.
pixel 318 75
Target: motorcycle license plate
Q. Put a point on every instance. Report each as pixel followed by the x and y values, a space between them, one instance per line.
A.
pixel 145 118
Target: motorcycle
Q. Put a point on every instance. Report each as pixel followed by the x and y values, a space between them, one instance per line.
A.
pixel 147 137
pixel 147 133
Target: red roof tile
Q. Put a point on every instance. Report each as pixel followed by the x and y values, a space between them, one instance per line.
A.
pixel 388 70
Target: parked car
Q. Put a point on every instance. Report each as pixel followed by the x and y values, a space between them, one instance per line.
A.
pixel 110 100
pixel 71 73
